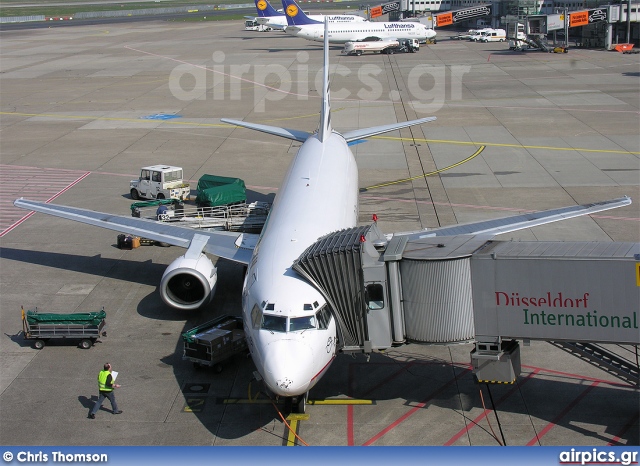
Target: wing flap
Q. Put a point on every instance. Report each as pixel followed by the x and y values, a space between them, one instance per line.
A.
pixel 220 243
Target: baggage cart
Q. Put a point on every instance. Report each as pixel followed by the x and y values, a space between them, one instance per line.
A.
pixel 212 343
pixel 87 327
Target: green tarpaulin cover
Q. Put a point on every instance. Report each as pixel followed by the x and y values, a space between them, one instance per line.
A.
pixel 220 190
pixel 81 318
pixel 141 204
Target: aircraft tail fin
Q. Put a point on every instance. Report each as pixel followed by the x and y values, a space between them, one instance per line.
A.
pixel 265 9
pixel 295 15
pixel 324 131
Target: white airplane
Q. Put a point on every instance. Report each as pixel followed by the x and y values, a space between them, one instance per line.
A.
pixel 300 25
pixel 268 16
pixel 291 331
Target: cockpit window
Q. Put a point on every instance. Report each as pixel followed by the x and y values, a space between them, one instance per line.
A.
pixel 307 307
pixel 256 316
pixel 274 323
pixel 270 307
pixel 324 317
pixel 302 323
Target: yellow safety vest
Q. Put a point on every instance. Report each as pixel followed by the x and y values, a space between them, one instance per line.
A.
pixel 102 381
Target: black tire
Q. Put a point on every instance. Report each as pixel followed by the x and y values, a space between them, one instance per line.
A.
pixel 301 403
pixel 86 344
pixel 160 196
pixel 38 344
pixel 196 365
pixel 217 368
pixel 358 52
pixel 162 245
pixel 134 194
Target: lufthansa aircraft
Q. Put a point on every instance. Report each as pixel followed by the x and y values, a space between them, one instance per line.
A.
pixel 300 25
pixel 290 329
pixel 268 16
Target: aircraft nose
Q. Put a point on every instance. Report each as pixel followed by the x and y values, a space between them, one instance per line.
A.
pixel 288 367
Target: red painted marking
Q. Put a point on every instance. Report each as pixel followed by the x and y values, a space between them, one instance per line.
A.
pixel 412 411
pixel 564 412
pixel 578 376
pixel 474 423
pixel 616 440
pixel 51 198
pixel 350 425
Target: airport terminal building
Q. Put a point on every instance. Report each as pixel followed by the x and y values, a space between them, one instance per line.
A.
pixel 602 25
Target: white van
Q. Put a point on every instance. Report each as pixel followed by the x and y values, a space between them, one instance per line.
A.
pixel 493 35
pixel 475 36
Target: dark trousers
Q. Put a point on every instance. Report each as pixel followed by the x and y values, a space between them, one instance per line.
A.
pixel 103 395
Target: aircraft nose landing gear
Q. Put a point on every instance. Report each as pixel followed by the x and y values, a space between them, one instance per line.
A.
pixel 296 404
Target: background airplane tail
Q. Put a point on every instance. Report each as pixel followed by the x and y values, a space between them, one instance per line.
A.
pixel 265 9
pixel 295 15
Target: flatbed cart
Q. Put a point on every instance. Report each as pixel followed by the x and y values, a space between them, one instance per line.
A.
pixel 212 343
pixel 87 327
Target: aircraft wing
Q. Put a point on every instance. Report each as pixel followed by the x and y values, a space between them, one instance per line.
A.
pixel 232 246
pixel 519 222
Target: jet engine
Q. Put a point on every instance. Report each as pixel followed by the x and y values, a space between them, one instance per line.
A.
pixel 189 282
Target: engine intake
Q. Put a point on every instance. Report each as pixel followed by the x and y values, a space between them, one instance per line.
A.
pixel 189 283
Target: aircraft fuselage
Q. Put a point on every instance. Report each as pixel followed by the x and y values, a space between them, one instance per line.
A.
pixel 341 33
pixel 289 328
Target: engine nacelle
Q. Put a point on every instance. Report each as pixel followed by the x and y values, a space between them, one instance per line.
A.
pixel 189 283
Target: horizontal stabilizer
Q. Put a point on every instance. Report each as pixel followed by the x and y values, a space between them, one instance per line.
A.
pixel 519 222
pixel 293 134
pixel 350 136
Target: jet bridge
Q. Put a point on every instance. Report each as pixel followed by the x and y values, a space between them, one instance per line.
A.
pixel 421 288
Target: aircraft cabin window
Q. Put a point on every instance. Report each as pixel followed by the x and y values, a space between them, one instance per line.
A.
pixel 375 296
pixel 274 323
pixel 302 323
